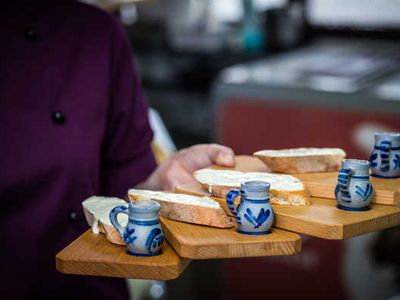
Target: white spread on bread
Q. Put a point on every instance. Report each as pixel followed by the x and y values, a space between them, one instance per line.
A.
pixel 235 178
pixel 98 209
pixel 301 152
pixel 177 198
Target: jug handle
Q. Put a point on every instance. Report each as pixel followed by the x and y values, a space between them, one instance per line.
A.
pixel 230 201
pixel 343 183
pixel 114 220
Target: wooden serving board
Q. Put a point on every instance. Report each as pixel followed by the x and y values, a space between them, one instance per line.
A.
pixel 92 254
pixel 204 242
pixel 386 191
pixel 321 219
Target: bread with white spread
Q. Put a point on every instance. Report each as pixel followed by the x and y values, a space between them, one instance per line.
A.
pixel 186 208
pixel 284 189
pixel 97 211
pixel 302 160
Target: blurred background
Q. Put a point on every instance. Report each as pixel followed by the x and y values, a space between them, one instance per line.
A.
pixel 271 74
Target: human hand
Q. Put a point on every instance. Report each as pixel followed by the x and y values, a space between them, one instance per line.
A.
pixel 178 168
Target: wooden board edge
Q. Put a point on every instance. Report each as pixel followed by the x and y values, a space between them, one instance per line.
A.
pixel 121 271
pixel 196 252
pixel 396 197
pixel 201 252
pixel 300 226
pixel 385 198
pixel 386 222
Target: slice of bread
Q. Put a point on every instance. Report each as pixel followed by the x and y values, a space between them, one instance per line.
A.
pixel 302 160
pixel 284 189
pixel 97 211
pixel 186 208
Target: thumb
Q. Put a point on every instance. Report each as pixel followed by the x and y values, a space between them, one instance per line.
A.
pixel 221 155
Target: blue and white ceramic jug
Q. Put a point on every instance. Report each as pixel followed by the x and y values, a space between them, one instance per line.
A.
pixel 143 234
pixel 254 214
pixel 385 158
pixel 354 189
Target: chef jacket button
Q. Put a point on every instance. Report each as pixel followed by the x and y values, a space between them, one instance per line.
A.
pixel 73 216
pixel 31 34
pixel 58 117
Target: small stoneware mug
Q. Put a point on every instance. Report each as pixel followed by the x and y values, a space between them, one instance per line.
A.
pixel 385 158
pixel 254 214
pixel 143 234
pixel 354 189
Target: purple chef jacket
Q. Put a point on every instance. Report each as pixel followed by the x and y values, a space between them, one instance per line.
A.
pixel 73 123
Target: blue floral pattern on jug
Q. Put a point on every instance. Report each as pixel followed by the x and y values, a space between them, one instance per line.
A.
pixel 396 161
pixel 385 157
pixel 364 194
pixel 154 240
pixel 129 238
pixel 260 219
pixel 143 234
pixel 354 191
pixel 254 214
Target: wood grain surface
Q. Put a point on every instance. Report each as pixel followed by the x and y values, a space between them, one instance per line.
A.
pixel 204 242
pixel 320 219
pixel 92 254
pixel 386 191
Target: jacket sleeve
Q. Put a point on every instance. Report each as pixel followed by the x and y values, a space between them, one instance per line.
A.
pixel 127 158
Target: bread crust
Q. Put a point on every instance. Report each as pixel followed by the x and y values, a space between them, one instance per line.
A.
pixel 302 164
pixel 280 197
pixel 190 213
pixel 112 235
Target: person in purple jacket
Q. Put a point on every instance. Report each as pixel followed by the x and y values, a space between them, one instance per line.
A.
pixel 73 123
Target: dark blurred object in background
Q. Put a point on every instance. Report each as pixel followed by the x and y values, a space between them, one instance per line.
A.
pixel 385 251
pixel 286 27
